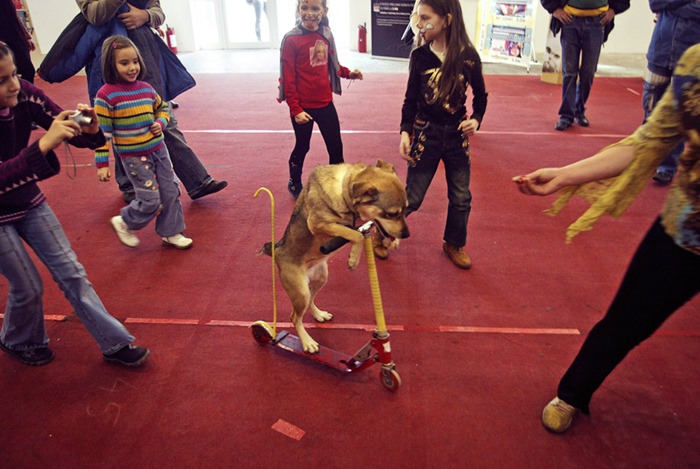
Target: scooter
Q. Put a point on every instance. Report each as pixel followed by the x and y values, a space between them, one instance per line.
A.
pixel 378 349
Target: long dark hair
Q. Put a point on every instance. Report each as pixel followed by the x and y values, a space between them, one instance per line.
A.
pixel 457 42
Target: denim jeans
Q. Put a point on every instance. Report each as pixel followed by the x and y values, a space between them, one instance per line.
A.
pixel 652 94
pixel 327 120
pixel 581 41
pixel 188 167
pixel 661 278
pixel 157 194
pixel 23 327
pixel 431 144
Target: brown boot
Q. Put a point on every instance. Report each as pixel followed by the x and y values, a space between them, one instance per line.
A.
pixel 380 251
pixel 457 255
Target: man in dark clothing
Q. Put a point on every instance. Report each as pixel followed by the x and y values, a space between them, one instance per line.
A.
pixel 585 26
pixel 15 35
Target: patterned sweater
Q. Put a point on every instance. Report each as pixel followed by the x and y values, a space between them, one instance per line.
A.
pixel 126 112
pixel 23 165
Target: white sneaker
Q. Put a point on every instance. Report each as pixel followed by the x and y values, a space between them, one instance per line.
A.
pixel 125 236
pixel 177 241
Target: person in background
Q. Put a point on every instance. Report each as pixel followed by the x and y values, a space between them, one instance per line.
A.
pixel 141 16
pixel 14 33
pixel 435 125
pixel 26 217
pixel 585 26
pixel 664 273
pixel 677 28
pixel 133 116
pixel 309 75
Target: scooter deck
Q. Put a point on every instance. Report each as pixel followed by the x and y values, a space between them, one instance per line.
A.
pixel 325 355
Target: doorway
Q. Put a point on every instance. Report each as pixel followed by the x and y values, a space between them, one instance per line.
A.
pixel 236 24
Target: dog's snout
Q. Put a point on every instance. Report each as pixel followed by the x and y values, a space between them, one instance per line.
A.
pixel 405 233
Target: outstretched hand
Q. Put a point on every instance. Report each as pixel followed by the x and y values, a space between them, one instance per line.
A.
pixel 541 182
pixel 356 75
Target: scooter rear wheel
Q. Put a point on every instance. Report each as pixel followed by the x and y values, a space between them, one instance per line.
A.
pixel 390 379
pixel 262 332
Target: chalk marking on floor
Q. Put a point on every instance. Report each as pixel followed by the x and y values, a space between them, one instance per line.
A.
pixel 288 429
pixel 393 132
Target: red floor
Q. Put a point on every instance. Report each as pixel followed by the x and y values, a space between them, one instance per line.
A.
pixel 479 352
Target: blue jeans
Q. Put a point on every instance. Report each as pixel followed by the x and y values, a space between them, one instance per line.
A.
pixel 187 165
pixel 431 144
pixel 157 194
pixel 23 327
pixel 581 41
pixel 652 94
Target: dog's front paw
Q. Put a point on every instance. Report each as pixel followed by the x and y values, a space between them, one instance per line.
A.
pixel 354 257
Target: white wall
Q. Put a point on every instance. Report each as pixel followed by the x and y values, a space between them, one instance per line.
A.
pixel 631 35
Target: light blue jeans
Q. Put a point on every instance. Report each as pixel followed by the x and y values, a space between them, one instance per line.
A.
pixel 581 41
pixel 157 194
pixel 23 327
pixel 189 169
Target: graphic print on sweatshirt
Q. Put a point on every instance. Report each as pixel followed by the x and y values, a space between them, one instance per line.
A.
pixel 318 54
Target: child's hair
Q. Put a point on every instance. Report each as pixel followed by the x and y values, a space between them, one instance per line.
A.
pixel 457 42
pixel 109 51
pixel 324 2
pixel 5 51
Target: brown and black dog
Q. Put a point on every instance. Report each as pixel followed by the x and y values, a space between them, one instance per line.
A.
pixel 334 198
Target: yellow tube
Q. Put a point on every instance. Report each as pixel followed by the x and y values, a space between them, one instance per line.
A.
pixel 274 276
pixel 374 286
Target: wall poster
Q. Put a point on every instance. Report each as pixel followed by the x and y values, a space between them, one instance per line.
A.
pixel 389 21
pixel 505 31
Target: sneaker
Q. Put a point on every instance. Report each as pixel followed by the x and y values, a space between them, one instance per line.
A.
pixel 562 124
pixel 582 120
pixel 128 356
pixel 177 241
pixel 558 415
pixel 457 255
pixel 33 357
pixel 294 188
pixel 663 177
pixel 123 233
pixel 212 187
pixel 380 250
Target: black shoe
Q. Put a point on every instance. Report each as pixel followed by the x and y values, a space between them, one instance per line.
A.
pixel 174 104
pixel 582 121
pixel 127 197
pixel 35 127
pixel 562 124
pixel 34 357
pixel 663 177
pixel 128 356
pixel 294 189
pixel 213 187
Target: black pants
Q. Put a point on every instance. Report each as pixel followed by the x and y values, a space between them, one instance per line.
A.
pixel 329 125
pixel 661 278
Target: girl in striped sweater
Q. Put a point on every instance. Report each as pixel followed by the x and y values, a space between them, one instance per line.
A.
pixel 133 116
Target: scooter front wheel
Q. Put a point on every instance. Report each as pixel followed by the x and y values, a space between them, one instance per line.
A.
pixel 262 332
pixel 390 379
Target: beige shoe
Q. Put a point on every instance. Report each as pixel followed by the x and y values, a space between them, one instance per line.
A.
pixel 380 250
pixel 558 415
pixel 458 256
pixel 123 233
pixel 177 241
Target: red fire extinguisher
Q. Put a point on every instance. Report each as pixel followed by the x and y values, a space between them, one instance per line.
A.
pixel 171 39
pixel 362 38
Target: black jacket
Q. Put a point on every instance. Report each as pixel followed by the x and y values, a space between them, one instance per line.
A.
pixel 618 7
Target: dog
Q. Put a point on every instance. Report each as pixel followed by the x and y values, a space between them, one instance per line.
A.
pixel 334 198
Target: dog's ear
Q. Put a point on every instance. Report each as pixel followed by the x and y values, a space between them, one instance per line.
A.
pixel 364 193
pixel 384 166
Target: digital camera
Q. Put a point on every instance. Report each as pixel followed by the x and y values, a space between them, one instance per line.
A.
pixel 81 119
